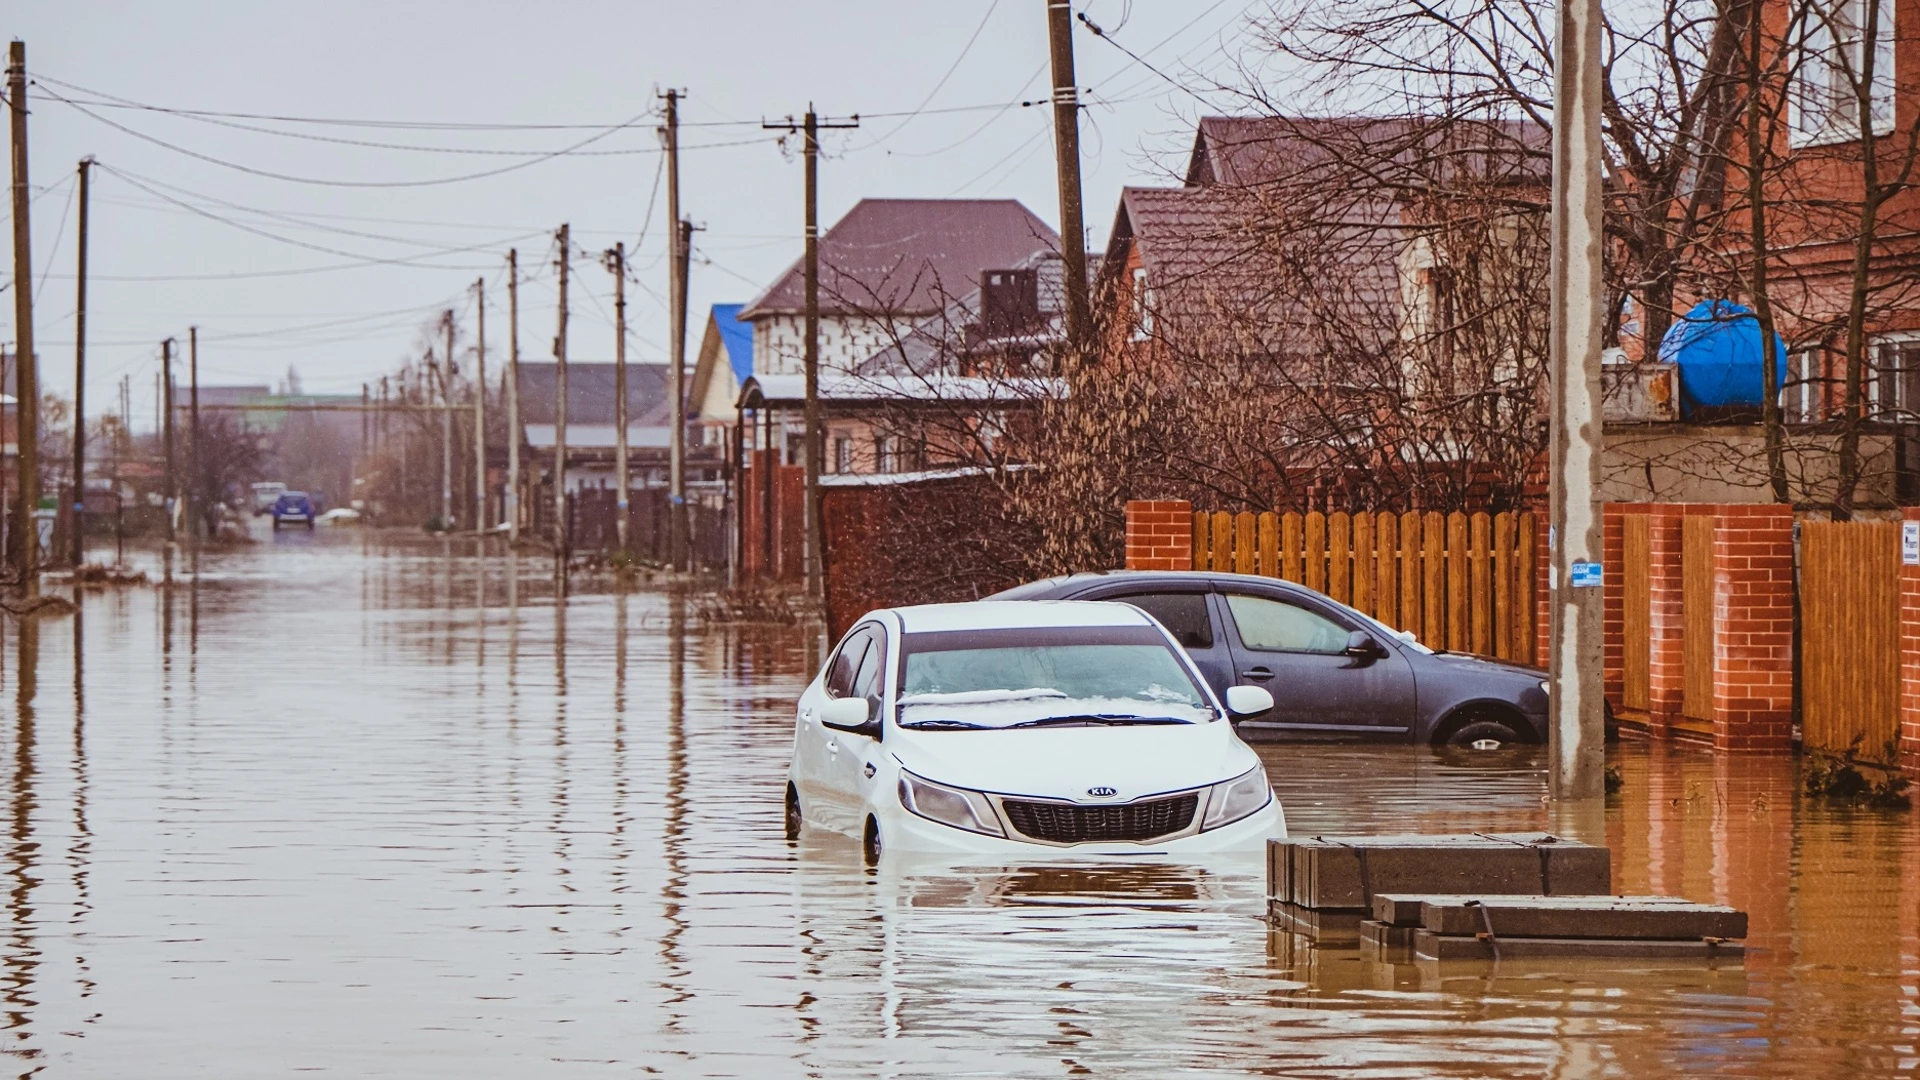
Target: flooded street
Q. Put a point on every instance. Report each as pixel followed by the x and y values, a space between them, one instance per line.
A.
pixel 369 807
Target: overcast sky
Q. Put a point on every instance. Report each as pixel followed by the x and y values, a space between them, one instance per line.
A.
pixel 177 230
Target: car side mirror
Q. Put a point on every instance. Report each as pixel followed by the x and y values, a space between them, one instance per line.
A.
pixel 852 714
pixel 1361 646
pixel 1248 700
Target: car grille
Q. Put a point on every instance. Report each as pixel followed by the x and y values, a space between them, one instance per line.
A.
pixel 1065 823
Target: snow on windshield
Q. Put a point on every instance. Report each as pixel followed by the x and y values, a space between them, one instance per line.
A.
pixel 991 684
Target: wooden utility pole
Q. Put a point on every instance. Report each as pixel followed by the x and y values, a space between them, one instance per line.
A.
pixel 1576 748
pixel 26 378
pixel 676 347
pixel 80 378
pixel 810 127
pixel 166 432
pixel 446 430
pixel 193 431
pixel 560 522
pixel 513 396
pixel 617 262
pixel 480 411
pixel 1066 151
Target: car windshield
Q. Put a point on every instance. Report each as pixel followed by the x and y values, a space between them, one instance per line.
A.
pixel 1035 677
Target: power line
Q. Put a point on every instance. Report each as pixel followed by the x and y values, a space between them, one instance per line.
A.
pixel 951 68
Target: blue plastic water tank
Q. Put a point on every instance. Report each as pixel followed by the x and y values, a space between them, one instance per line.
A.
pixel 1717 349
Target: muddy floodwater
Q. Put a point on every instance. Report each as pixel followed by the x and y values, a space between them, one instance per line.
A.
pixel 374 807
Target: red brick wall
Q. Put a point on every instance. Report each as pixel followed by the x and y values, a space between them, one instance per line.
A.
pixel 1613 664
pixel 1753 600
pixel 1910 658
pixel 1665 622
pixel 1159 534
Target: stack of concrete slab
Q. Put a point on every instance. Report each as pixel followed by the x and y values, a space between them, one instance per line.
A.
pixel 1491 927
pixel 1484 895
pixel 1325 885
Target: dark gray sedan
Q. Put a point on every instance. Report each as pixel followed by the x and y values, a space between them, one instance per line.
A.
pixel 1333 672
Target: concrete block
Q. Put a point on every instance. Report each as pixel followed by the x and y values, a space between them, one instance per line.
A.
pixel 1345 873
pixel 1432 946
pixel 1648 918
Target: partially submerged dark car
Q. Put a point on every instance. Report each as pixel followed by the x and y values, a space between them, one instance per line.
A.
pixel 1333 672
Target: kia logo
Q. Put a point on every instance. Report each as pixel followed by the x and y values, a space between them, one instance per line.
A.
pixel 1102 792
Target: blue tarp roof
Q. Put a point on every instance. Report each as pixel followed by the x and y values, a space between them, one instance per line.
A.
pixel 1717 348
pixel 737 336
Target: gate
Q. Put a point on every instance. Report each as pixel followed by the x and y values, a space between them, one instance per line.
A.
pixel 1696 615
pixel 1637 623
pixel 1850 638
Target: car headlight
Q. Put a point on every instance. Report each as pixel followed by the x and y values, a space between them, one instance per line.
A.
pixel 957 807
pixel 1231 800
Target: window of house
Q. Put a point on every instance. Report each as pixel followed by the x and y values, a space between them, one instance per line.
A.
pixel 883 453
pixel 842 453
pixel 1800 394
pixel 1893 378
pixel 1837 39
pixel 1142 305
pixel 796 448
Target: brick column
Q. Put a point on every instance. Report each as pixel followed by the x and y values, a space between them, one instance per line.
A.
pixel 1910 658
pixel 1753 628
pixel 1613 663
pixel 1666 626
pixel 1159 534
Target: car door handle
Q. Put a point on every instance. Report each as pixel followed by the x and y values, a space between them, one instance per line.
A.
pixel 1260 674
pixel 833 746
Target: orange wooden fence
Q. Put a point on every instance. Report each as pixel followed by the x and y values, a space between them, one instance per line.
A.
pixel 1461 582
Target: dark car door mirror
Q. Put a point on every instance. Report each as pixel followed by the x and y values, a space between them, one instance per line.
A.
pixel 1361 646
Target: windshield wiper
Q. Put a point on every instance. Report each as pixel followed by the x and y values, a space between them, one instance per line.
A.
pixel 944 725
pixel 1096 719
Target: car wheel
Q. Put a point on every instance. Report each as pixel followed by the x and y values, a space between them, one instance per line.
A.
pixel 793 813
pixel 870 842
pixel 1480 732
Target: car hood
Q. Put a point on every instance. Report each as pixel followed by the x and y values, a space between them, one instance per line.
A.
pixel 1063 763
pixel 1463 662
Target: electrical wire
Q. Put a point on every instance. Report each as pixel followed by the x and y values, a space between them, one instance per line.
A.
pixel 951 68
pixel 59 233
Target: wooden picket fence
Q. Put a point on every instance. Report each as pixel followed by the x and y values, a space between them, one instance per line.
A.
pixel 1462 582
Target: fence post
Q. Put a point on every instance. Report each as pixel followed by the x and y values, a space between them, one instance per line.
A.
pixel 1753 602
pixel 1159 534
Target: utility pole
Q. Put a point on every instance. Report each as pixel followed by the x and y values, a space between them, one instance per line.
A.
pixel 166 431
pixel 80 379
pixel 560 423
pixel 446 431
pixel 513 396
pixel 811 127
pixel 617 262
pixel 193 431
pixel 480 411
pixel 26 370
pixel 1576 735
pixel 676 351
pixel 1066 152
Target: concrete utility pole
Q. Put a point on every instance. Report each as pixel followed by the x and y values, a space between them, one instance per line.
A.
pixel 446 430
pixel 560 522
pixel 80 378
pixel 166 432
pixel 513 396
pixel 26 379
pixel 1576 739
pixel 480 411
pixel 1066 152
pixel 193 431
pixel 617 262
pixel 676 350
pixel 815 534
pixel 682 528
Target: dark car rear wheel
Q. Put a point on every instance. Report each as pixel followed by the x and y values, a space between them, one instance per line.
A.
pixel 793 813
pixel 870 842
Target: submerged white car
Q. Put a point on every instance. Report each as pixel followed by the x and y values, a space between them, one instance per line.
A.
pixel 1059 727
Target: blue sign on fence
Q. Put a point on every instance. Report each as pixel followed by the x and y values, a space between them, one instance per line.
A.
pixel 1586 575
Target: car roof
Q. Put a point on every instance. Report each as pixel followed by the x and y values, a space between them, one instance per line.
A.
pixel 993 615
pixel 1073 584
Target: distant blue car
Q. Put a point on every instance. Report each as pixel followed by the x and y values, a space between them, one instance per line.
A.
pixel 293 508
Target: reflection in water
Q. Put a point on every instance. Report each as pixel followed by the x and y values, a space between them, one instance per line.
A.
pixel 370 855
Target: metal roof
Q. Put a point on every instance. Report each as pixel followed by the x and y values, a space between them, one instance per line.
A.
pixel 763 391
pixel 737 336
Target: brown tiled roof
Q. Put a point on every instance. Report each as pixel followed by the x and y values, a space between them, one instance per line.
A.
pixel 910 256
pixel 1250 151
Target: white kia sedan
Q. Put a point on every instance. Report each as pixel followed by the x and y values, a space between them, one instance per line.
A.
pixel 1056 727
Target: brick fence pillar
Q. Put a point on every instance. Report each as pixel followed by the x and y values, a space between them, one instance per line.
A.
pixel 1666 622
pixel 1613 663
pixel 1910 655
pixel 1753 627
pixel 1159 534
